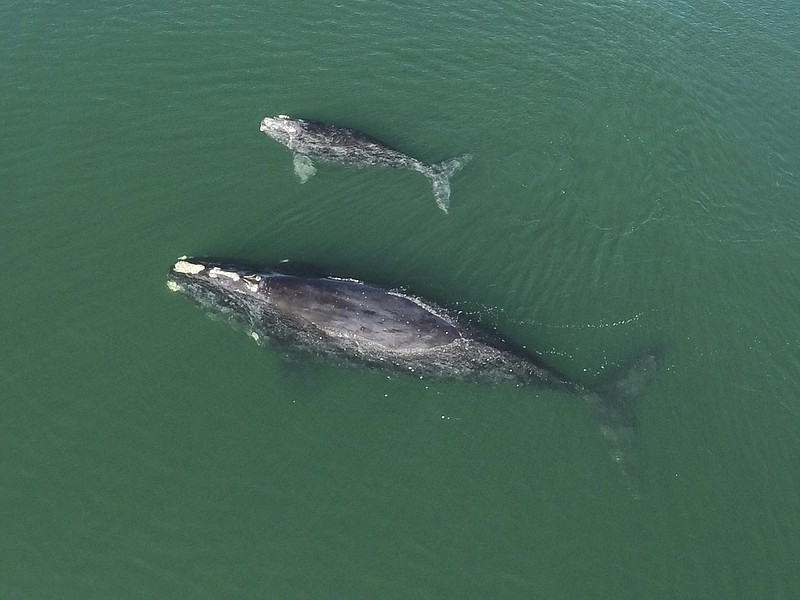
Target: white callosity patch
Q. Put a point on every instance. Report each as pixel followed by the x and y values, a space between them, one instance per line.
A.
pixel 174 287
pixel 217 272
pixel 187 268
pixel 279 127
pixel 251 283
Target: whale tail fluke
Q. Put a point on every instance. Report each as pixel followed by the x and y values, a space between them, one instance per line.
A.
pixel 440 175
pixel 614 402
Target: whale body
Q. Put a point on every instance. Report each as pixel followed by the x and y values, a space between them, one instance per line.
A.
pixel 312 140
pixel 350 322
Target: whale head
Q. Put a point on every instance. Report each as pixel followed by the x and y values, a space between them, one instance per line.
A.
pixel 280 128
pixel 220 289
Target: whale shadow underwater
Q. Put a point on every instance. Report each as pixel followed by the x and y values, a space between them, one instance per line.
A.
pixel 349 322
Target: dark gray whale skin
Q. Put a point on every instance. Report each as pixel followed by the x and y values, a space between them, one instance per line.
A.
pixel 350 322
pixel 313 140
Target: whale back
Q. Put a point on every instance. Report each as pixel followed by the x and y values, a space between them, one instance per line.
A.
pixel 362 313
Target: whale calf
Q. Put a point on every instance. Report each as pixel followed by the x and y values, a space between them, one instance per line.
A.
pixel 311 140
pixel 350 322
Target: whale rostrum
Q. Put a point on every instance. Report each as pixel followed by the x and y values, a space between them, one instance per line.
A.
pixel 312 140
pixel 345 321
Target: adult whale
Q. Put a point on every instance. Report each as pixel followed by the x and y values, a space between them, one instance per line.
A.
pixel 310 140
pixel 351 322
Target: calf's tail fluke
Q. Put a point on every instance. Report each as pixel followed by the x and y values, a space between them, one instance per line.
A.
pixel 614 402
pixel 440 175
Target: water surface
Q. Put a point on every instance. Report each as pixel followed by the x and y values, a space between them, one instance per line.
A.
pixel 634 183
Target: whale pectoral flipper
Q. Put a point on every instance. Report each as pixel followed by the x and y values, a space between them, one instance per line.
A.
pixel 303 167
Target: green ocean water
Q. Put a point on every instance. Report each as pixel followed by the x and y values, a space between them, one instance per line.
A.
pixel 635 184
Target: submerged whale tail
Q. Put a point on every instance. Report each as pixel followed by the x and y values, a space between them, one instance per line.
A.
pixel 440 175
pixel 614 402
